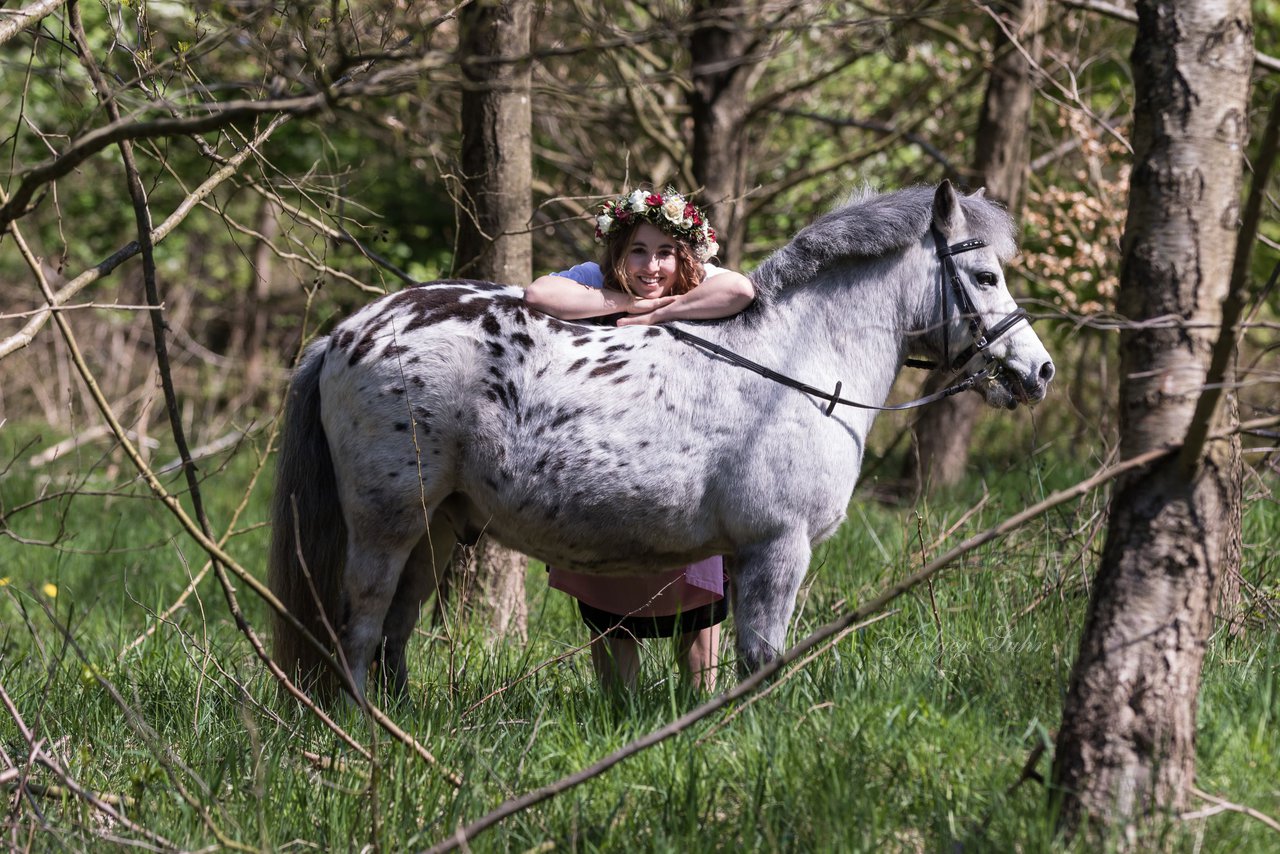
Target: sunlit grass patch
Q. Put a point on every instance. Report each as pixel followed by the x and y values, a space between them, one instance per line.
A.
pixel 909 734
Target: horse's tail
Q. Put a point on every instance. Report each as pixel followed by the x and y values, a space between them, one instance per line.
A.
pixel 308 534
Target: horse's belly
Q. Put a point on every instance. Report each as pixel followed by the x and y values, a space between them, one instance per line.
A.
pixel 574 512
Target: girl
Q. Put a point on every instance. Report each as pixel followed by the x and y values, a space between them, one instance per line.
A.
pixel 653 269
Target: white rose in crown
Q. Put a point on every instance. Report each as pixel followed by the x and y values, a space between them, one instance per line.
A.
pixel 673 209
pixel 637 201
pixel 711 249
pixel 604 222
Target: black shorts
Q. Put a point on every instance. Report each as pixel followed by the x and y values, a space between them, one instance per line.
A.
pixel 619 626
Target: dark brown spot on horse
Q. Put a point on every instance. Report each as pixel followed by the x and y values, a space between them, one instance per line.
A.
pixel 606 368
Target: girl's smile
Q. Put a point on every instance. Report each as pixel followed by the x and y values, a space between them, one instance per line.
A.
pixel 651 262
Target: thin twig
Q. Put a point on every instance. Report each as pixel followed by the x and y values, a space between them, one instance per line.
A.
pixel 1221 805
pixel 89 797
pixel 933 600
pixel 204 570
pixel 28 332
pixel 463 834
pixel 800 665
pixel 213 549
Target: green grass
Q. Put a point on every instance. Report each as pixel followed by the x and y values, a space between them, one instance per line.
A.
pixel 907 735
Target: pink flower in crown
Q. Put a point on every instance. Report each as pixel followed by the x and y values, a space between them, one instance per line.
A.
pixel 653 200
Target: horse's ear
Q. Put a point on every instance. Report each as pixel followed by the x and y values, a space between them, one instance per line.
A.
pixel 947 215
pixel 980 193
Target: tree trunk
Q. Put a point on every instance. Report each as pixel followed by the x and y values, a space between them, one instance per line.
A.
pixel 718 106
pixel 486 581
pixel 1227 608
pixel 259 291
pixel 494 241
pixel 1126 747
pixel 940 452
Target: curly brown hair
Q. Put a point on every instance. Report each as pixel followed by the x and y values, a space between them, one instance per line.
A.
pixel 613 263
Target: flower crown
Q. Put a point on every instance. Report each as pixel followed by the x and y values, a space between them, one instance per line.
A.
pixel 669 211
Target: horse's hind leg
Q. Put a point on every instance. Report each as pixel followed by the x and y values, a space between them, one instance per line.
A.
pixel 422 571
pixel 375 565
pixel 766 579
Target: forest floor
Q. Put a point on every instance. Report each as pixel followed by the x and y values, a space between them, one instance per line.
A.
pixel 926 730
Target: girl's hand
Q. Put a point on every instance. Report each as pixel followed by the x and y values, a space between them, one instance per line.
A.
pixel 722 295
pixel 644 306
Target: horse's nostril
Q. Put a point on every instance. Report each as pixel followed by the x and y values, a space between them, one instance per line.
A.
pixel 1046 372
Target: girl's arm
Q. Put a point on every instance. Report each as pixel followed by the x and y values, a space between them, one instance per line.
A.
pixel 722 295
pixel 569 300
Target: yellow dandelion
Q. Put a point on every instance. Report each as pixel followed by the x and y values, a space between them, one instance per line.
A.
pixel 4 582
pixel 50 590
pixel 89 675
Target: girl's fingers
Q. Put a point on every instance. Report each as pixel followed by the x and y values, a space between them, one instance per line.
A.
pixel 644 306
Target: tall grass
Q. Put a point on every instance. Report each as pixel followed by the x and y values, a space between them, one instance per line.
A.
pixel 909 734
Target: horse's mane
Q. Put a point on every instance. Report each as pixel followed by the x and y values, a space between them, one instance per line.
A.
pixel 872 224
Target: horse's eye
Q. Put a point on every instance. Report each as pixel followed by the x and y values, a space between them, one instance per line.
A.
pixel 987 280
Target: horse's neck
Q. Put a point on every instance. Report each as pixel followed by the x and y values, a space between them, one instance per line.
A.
pixel 848 324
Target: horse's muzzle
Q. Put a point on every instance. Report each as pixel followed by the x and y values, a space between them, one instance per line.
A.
pixel 1032 388
pixel 1005 388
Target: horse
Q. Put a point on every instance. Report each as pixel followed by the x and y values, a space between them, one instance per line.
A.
pixel 451 408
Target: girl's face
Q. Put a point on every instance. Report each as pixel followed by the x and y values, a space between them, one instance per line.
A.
pixel 651 262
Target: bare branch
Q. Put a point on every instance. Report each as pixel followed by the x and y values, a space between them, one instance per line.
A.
pixel 100 803
pixel 19 20
pixel 1221 805
pixel 882 128
pixel 219 115
pixel 214 549
pixel 1122 14
pixel 28 332
pixel 754 682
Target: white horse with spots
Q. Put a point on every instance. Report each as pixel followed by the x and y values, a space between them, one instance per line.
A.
pixel 452 408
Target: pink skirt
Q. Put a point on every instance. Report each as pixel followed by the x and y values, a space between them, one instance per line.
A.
pixel 675 591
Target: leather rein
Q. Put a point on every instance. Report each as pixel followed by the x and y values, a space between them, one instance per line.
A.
pixel 982 338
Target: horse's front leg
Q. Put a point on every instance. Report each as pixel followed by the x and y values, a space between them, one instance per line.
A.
pixel 766 579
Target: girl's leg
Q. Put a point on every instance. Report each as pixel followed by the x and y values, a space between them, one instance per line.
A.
pixel 616 662
pixel 698 655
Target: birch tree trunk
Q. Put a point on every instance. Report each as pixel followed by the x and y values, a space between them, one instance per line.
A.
pixel 1126 747
pixel 941 434
pixel 494 244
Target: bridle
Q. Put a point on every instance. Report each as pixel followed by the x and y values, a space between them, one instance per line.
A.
pixel 982 338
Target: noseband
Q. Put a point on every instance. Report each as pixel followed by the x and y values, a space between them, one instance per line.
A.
pixel 982 337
